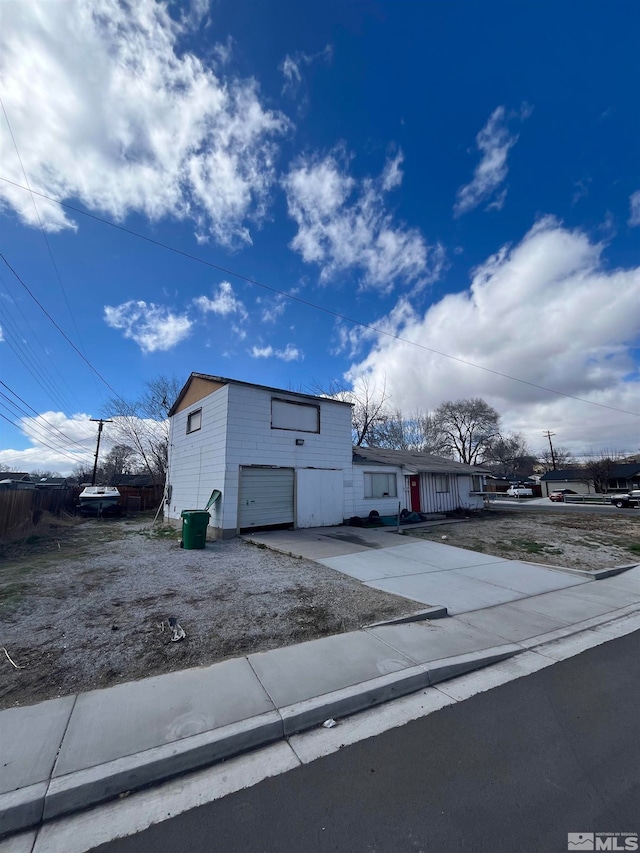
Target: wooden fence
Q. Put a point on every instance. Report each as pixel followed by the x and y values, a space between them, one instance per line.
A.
pixel 21 506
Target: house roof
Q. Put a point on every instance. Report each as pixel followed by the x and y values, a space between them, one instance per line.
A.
pixel 621 471
pixel 14 475
pixel 413 459
pixel 224 381
pixel 566 475
pixel 51 481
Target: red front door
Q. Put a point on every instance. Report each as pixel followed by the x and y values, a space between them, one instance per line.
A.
pixel 415 493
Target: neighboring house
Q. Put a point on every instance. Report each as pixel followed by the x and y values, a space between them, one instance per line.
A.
pixel 569 478
pixel 623 478
pixel 285 458
pixel 52 483
pixel 418 481
pixel 15 480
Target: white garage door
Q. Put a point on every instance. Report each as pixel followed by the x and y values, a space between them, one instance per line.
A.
pixel 266 497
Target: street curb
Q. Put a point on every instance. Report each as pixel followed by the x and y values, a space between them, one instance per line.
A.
pixel 22 808
pixel 65 795
pixel 82 788
pixel 438 611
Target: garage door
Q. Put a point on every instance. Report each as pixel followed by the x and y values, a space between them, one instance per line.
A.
pixel 266 497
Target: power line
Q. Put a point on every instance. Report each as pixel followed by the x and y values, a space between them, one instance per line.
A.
pixel 39 431
pixel 64 335
pixel 29 357
pixel 313 305
pixel 42 231
pixel 43 443
pixel 42 418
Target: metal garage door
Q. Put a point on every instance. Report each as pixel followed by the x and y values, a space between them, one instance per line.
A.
pixel 266 497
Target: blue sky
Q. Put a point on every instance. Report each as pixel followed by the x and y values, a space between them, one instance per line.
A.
pixel 464 177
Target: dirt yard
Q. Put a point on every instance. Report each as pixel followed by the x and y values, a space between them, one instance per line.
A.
pixel 576 540
pixel 84 605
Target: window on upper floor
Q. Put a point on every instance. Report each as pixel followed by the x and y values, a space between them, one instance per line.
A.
pixel 301 417
pixel 380 485
pixel 194 421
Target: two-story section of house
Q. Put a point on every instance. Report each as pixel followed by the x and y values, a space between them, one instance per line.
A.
pixel 277 457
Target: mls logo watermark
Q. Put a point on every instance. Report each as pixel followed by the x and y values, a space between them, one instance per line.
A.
pixel 614 841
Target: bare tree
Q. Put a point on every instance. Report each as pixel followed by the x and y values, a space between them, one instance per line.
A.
pixel 468 429
pixel 42 473
pixel 599 469
pixel 509 456
pixel 369 406
pixel 83 471
pixel 563 456
pixel 418 431
pixel 121 459
pixel 143 424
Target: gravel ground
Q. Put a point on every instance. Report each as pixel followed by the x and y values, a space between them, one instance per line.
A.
pixel 574 540
pixel 82 607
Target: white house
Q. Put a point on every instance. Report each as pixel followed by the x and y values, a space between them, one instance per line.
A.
pixel 284 458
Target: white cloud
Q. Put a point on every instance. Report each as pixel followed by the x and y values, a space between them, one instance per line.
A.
pixel 344 224
pixel 634 208
pixel 494 141
pixel 56 442
pixel 273 309
pixel 548 311
pixel 289 353
pixel 291 65
pixel 153 327
pixel 261 352
pixel 224 302
pixel 1 335
pixel 107 107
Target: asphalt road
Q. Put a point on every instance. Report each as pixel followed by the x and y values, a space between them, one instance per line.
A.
pixel 513 769
pixel 545 505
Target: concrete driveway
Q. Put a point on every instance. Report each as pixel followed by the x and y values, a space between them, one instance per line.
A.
pixel 428 572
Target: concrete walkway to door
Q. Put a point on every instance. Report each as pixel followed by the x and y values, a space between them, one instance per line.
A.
pixel 428 572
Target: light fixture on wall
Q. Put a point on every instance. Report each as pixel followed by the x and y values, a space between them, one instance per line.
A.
pixel 299 441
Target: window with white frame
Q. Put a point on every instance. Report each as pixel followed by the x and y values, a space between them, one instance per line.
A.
pixel 380 485
pixel 476 483
pixel 194 421
pixel 442 482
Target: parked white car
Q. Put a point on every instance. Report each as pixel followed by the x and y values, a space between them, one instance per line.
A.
pixel 520 492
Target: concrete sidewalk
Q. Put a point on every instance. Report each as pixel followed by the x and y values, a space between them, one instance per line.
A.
pixel 66 754
pixel 432 573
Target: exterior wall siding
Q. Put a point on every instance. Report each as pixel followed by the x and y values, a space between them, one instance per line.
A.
pixel 359 505
pixel 196 460
pixel 236 431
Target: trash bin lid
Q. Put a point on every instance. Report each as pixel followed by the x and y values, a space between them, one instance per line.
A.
pixel 195 513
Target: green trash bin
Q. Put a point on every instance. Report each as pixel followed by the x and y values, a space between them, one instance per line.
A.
pixel 194 528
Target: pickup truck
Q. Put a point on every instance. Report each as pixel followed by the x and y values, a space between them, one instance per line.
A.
pixel 520 492
pixel 631 498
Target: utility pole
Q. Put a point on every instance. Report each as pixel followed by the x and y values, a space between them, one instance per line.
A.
pixel 553 456
pixel 101 422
